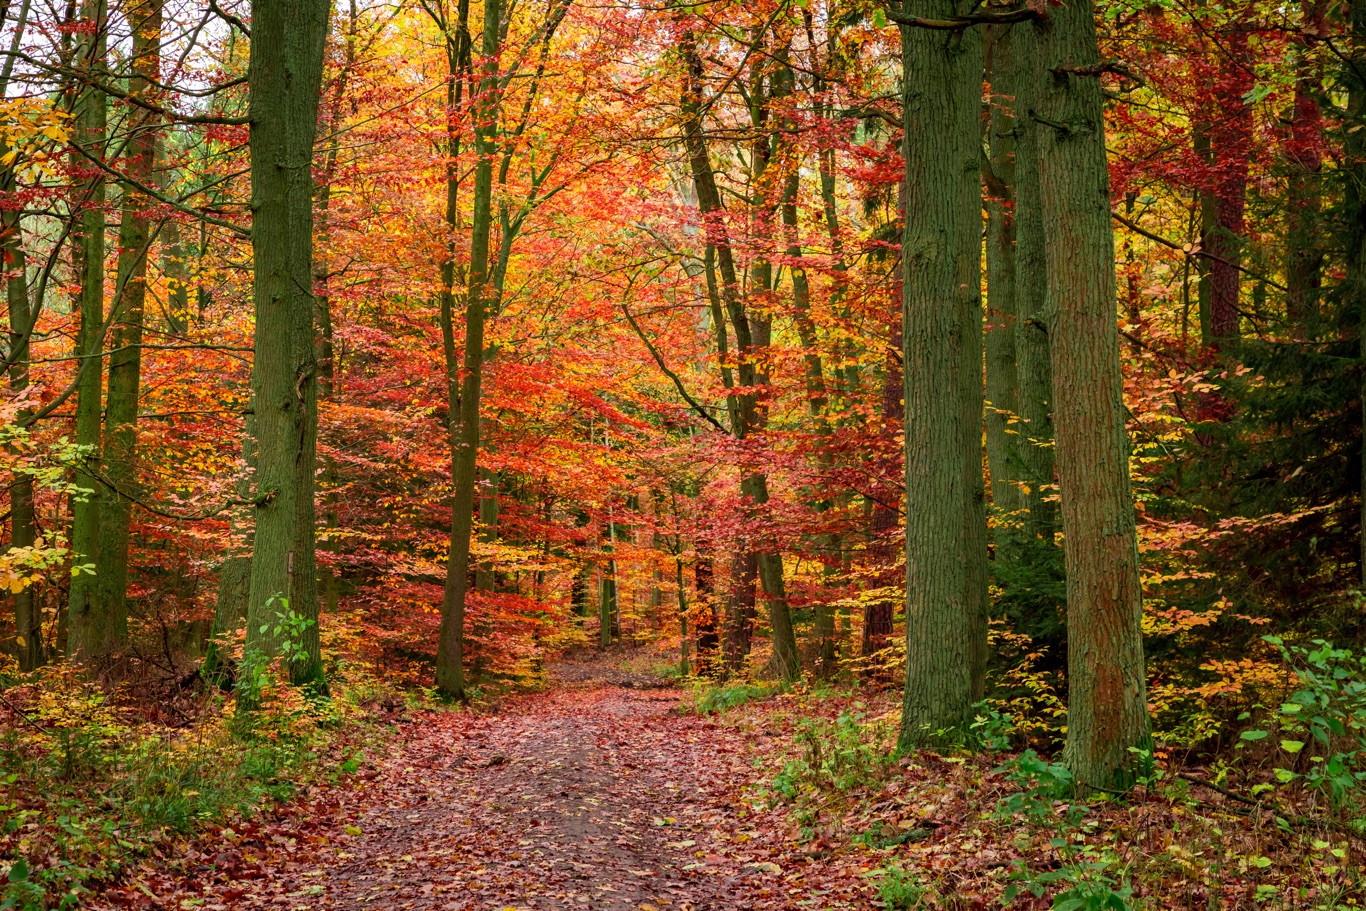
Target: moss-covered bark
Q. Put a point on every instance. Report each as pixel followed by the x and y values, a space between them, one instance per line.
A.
pixel 942 354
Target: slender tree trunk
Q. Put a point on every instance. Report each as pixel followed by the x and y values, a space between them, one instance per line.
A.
pixel 704 622
pixel 942 356
pixel 110 590
pixel 817 398
pixel 174 268
pixel 1002 384
pixel 450 671
pixel 329 584
pixel 754 485
pixel 23 516
pixel 684 652
pixel 1107 707
pixel 91 636
pixel 1354 204
pixel 1304 248
pixel 1034 314
pixel 285 79
pixel 885 536
pixel 234 575
pixel 485 579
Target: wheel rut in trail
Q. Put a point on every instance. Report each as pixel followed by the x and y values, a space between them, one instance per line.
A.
pixel 597 797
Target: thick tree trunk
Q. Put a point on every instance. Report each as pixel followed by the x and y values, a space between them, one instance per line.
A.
pixel 285 79
pixel 110 591
pixel 942 356
pixel 1107 709
pixel 92 635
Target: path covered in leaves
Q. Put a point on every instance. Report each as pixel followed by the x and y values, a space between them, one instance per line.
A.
pixel 598 794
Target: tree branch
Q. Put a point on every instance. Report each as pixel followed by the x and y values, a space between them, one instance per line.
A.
pixel 678 383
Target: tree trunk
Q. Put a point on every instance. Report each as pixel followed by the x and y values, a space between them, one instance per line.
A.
pixel 942 356
pixel 746 414
pixel 450 671
pixel 1002 385
pixel 234 575
pixel 684 652
pixel 110 590
pixel 92 635
pixel 285 79
pixel 744 571
pixel 1304 249
pixel 1107 708
pixel 704 622
pixel 28 626
pixel 1354 204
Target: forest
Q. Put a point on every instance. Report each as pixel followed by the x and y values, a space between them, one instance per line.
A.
pixel 683 455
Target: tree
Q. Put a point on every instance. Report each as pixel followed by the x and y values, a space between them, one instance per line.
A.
pixel 1107 713
pixel 942 357
pixel 92 633
pixel 110 590
pixel 285 80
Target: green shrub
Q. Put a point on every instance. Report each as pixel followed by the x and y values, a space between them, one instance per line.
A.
pixel 902 890
pixel 722 698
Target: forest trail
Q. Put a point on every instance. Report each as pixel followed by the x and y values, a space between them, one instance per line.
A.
pixel 596 794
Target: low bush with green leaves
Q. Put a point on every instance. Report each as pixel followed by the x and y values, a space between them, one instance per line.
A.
pixel 1322 726
pixel 87 788
pixel 722 698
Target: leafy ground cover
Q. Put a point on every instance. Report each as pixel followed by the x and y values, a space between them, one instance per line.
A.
pixel 615 789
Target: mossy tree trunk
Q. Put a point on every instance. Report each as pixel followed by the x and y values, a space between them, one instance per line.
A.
pixel 110 589
pixel 942 356
pixel 285 80
pixel 92 634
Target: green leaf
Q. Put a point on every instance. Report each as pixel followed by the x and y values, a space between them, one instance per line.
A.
pixel 1253 735
pixel 1292 746
pixel 879 19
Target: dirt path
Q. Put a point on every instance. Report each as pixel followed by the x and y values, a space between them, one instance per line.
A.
pixel 593 795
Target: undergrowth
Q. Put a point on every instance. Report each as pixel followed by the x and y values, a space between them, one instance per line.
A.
pixel 87 788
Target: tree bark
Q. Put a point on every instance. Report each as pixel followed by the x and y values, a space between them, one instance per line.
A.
pixel 1354 204
pixel 28 627
pixel 1002 383
pixel 110 590
pixel 285 80
pixel 1107 709
pixel 450 671
pixel 92 635
pixel 754 485
pixel 942 356
pixel 1304 202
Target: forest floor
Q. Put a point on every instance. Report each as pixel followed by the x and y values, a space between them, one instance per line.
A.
pixel 598 793
pixel 611 791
